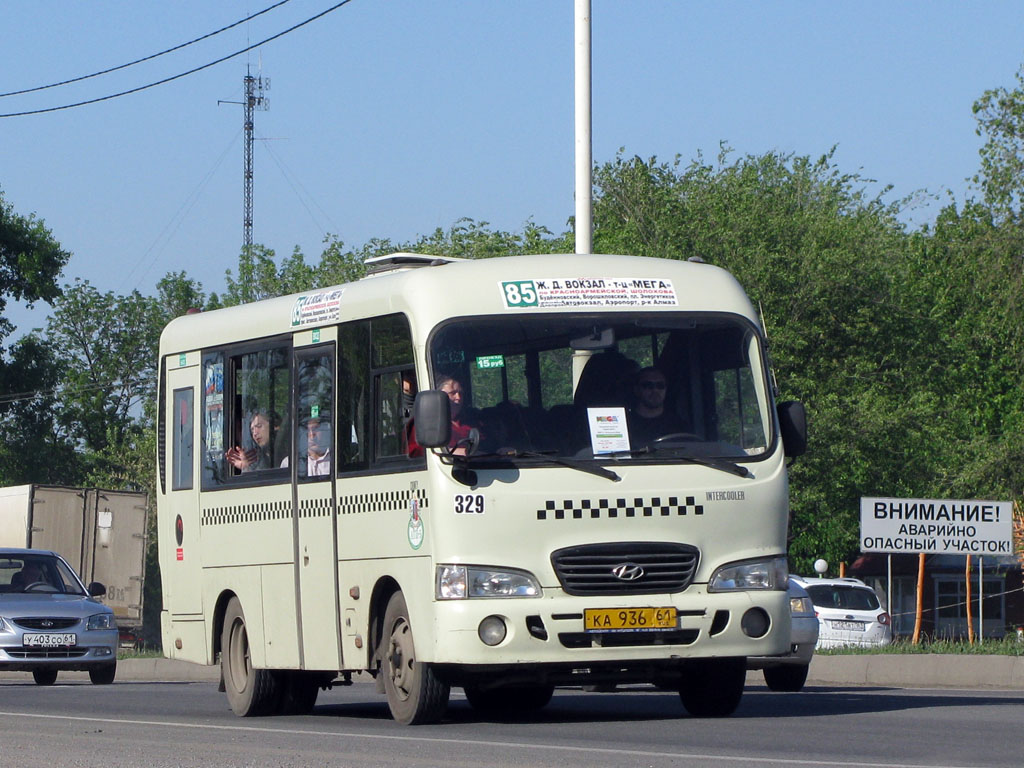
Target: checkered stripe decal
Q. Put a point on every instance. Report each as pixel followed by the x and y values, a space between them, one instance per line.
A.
pixel 387 501
pixel 657 506
pixel 247 513
pixel 361 503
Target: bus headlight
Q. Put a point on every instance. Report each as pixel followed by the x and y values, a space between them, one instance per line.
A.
pixel 751 574
pixel 458 582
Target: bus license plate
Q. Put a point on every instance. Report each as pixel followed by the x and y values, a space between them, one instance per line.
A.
pixel 48 639
pixel 629 619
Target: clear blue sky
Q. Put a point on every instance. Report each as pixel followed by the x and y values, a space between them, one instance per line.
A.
pixel 389 118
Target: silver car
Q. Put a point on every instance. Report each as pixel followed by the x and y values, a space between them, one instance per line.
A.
pixel 50 621
pixel 788 672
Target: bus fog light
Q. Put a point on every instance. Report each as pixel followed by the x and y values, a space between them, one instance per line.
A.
pixel 492 630
pixel 755 623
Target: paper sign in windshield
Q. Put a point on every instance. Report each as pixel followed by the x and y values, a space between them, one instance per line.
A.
pixel 608 431
pixel 588 292
pixel 317 308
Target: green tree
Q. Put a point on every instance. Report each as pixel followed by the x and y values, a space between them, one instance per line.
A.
pixel 1000 117
pixel 32 448
pixel 106 345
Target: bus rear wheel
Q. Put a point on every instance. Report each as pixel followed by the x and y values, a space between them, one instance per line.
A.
pixel 713 687
pixel 251 692
pixel 414 692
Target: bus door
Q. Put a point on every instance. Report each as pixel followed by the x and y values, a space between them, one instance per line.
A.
pixel 314 503
pixel 180 521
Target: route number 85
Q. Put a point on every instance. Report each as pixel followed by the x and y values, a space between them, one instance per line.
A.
pixel 520 293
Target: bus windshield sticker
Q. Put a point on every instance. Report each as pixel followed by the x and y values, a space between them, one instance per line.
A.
pixel 608 430
pixel 317 308
pixel 490 361
pixel 469 504
pixel 588 292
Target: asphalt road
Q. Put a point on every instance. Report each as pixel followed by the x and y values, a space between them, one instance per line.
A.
pixel 158 724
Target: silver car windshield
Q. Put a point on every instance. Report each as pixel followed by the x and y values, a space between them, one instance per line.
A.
pixel 37 574
pixel 658 387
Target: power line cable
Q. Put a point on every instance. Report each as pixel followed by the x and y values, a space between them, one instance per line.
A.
pixel 182 74
pixel 145 58
pixel 62 389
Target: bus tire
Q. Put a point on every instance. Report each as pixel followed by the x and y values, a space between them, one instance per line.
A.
pixel 251 692
pixel 509 701
pixel 414 692
pixel 713 687
pixel 786 678
pixel 299 691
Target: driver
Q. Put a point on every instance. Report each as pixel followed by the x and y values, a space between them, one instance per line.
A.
pixel 30 573
pixel 648 419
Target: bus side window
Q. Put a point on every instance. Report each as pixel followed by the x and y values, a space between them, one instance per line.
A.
pixel 353 394
pixel 213 421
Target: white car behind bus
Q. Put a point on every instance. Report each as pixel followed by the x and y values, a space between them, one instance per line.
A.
pixel 849 613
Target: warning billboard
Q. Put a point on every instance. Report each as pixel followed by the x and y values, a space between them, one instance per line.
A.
pixel 935 526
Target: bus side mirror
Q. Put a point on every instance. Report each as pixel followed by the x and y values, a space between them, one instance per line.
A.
pixel 432 416
pixel 793 426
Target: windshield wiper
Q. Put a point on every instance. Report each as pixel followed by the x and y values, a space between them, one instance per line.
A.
pixel 582 466
pixel 705 461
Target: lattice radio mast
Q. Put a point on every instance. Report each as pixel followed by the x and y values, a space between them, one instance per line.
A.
pixel 254 99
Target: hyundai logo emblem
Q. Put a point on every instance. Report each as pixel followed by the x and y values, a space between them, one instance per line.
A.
pixel 627 572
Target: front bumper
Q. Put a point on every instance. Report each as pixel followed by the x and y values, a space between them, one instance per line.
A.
pixel 549 632
pixel 96 649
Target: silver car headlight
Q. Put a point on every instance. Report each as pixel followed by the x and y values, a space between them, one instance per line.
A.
pixel 458 582
pixel 772 573
pixel 4 626
pixel 101 621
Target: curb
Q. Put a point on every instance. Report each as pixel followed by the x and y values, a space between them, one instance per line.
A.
pixel 884 670
pixel 919 671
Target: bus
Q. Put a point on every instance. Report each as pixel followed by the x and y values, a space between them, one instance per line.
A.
pixel 328 505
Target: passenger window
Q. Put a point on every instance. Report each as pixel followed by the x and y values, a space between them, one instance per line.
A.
pixel 181 450
pixel 375 387
pixel 244 398
pixel 353 395
pixel 313 435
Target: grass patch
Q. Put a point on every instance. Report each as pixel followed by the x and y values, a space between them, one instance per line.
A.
pixel 130 653
pixel 1006 646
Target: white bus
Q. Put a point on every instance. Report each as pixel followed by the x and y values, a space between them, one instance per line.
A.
pixel 328 506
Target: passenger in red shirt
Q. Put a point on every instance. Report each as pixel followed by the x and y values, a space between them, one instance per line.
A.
pixel 463 419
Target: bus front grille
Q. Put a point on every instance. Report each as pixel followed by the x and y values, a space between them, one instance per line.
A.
pixel 625 568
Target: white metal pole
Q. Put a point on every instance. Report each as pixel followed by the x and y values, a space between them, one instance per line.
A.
pixel 584 151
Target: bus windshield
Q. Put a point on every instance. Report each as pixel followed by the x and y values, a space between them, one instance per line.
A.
pixel 650 386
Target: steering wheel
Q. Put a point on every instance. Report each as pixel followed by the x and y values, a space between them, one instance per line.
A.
pixel 48 587
pixel 677 436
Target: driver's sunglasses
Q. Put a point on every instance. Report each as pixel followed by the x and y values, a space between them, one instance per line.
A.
pixel 652 384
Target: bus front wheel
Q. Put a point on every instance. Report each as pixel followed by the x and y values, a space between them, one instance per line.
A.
pixel 415 694
pixel 251 692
